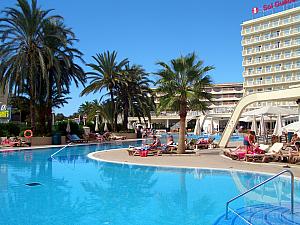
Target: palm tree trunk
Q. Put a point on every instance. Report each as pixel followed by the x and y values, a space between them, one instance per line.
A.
pixel 114 124
pixel 182 114
pixel 32 114
pixel 181 141
pixel 125 115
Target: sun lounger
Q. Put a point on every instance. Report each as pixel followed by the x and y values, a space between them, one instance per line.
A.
pixel 75 139
pixel 272 154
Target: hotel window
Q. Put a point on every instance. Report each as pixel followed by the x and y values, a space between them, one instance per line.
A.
pixel 286 31
pixel 277 55
pixel 268 68
pixel 275 23
pixel 256 38
pixel 248 40
pixel 267 36
pixel 298 52
pixel 267 57
pixel 287 54
pixel 298 64
pixel 297 41
pixel 250 70
pixel 258 48
pixel 297 17
pixel 260 90
pixel 288 77
pixel 266 25
pixel 277 45
pixel 250 91
pixel 287 42
pixel 259 80
pixel 249 50
pixel 249 59
pixel 297 29
pixel 267 46
pixel 287 65
pixel 277 67
pixel 269 89
pixel 247 29
pixel 278 78
pixel 256 27
pixel 257 59
pixel 269 79
pixel 259 69
pixel 298 76
pixel 286 20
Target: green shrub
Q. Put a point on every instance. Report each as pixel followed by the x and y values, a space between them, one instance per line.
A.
pixel 62 126
pixel 9 129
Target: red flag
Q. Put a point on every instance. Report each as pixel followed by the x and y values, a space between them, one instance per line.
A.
pixel 255 10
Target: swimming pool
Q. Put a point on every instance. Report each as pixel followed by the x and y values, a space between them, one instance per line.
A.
pixel 77 190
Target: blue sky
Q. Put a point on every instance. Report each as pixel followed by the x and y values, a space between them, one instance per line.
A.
pixel 148 31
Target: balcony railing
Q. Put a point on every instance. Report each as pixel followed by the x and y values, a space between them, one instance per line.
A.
pixel 272 81
pixel 271 59
pixel 271 48
pixel 270 25
pixel 293 67
pixel 272 37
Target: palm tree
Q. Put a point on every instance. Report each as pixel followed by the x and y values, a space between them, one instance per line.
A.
pixel 23 54
pixel 134 96
pixel 182 85
pixel 37 56
pixel 107 73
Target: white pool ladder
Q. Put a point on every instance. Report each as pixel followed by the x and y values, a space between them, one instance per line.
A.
pixel 60 150
pixel 256 186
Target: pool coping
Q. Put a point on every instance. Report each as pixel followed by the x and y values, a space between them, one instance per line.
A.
pixel 91 156
pixel 40 147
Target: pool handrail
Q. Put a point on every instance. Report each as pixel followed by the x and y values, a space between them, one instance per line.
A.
pixel 262 183
pixel 60 150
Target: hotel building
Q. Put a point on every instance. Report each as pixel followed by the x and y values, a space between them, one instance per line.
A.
pixel 271 54
pixel 224 99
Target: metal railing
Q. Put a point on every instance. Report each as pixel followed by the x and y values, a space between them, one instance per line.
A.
pixel 260 184
pixel 60 150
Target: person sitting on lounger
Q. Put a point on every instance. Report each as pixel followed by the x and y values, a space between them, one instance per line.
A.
pixel 156 143
pixel 249 141
pixel 295 139
pixel 169 146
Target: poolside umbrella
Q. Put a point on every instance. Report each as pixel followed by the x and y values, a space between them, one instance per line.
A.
pixel 254 125
pixel 211 127
pixel 97 123
pixel 197 130
pixel 105 127
pixel 270 110
pixel 68 129
pixel 292 127
pixel 262 131
pixel 278 126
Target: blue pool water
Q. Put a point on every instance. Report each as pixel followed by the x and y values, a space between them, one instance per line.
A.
pixel 77 190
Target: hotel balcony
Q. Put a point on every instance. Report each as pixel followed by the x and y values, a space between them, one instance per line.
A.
pixel 282 80
pixel 262 39
pixel 271 59
pixel 273 47
pixel 269 25
pixel 281 69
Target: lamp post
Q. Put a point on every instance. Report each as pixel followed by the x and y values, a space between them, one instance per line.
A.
pixel 298 102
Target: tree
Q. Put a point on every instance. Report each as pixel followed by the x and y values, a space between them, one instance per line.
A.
pixel 37 58
pixel 106 74
pixel 182 86
pixel 134 95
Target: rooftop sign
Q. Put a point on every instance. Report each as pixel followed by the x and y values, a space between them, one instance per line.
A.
pixel 273 5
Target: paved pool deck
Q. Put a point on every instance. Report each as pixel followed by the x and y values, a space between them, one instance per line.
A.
pixel 211 159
